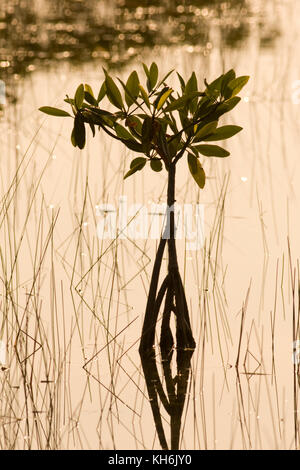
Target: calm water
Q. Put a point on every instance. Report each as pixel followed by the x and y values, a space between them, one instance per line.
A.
pixel 72 305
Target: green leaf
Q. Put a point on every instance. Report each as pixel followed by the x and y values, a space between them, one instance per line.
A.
pixel 134 124
pixel 136 165
pixel 181 101
pixel 159 95
pixel 156 164
pixel 69 100
pixel 89 95
pixel 147 73
pixel 122 132
pixel 146 70
pixel 99 116
pixel 227 106
pixel 138 161
pixel 214 88
pixel 182 82
pixel 192 86
pixel 90 99
pixel 205 106
pixel 228 77
pixel 163 144
pixel 144 95
pixel 89 89
pixel 194 150
pixel 132 86
pixel 205 131
pixel 163 98
pixel 133 145
pixel 196 170
pixel 113 93
pixel 237 84
pixel 79 96
pixel 153 76
pixel 54 111
pixel 212 151
pixel 102 92
pixel 79 131
pixel 183 114
pixel 224 132
pixel 92 126
pixel 147 133
pixel 129 95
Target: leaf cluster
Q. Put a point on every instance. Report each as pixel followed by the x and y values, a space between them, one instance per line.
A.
pixel 151 119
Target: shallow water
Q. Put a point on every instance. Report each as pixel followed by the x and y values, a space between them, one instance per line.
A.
pixel 73 305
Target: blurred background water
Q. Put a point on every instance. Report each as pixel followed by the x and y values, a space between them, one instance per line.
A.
pixel 35 34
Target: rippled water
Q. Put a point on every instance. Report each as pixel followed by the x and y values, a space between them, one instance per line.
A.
pixel 72 306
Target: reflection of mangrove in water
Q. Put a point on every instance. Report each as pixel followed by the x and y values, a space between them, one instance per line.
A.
pixel 43 31
pixel 173 398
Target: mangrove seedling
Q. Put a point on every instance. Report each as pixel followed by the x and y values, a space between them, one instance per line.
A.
pixel 162 126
